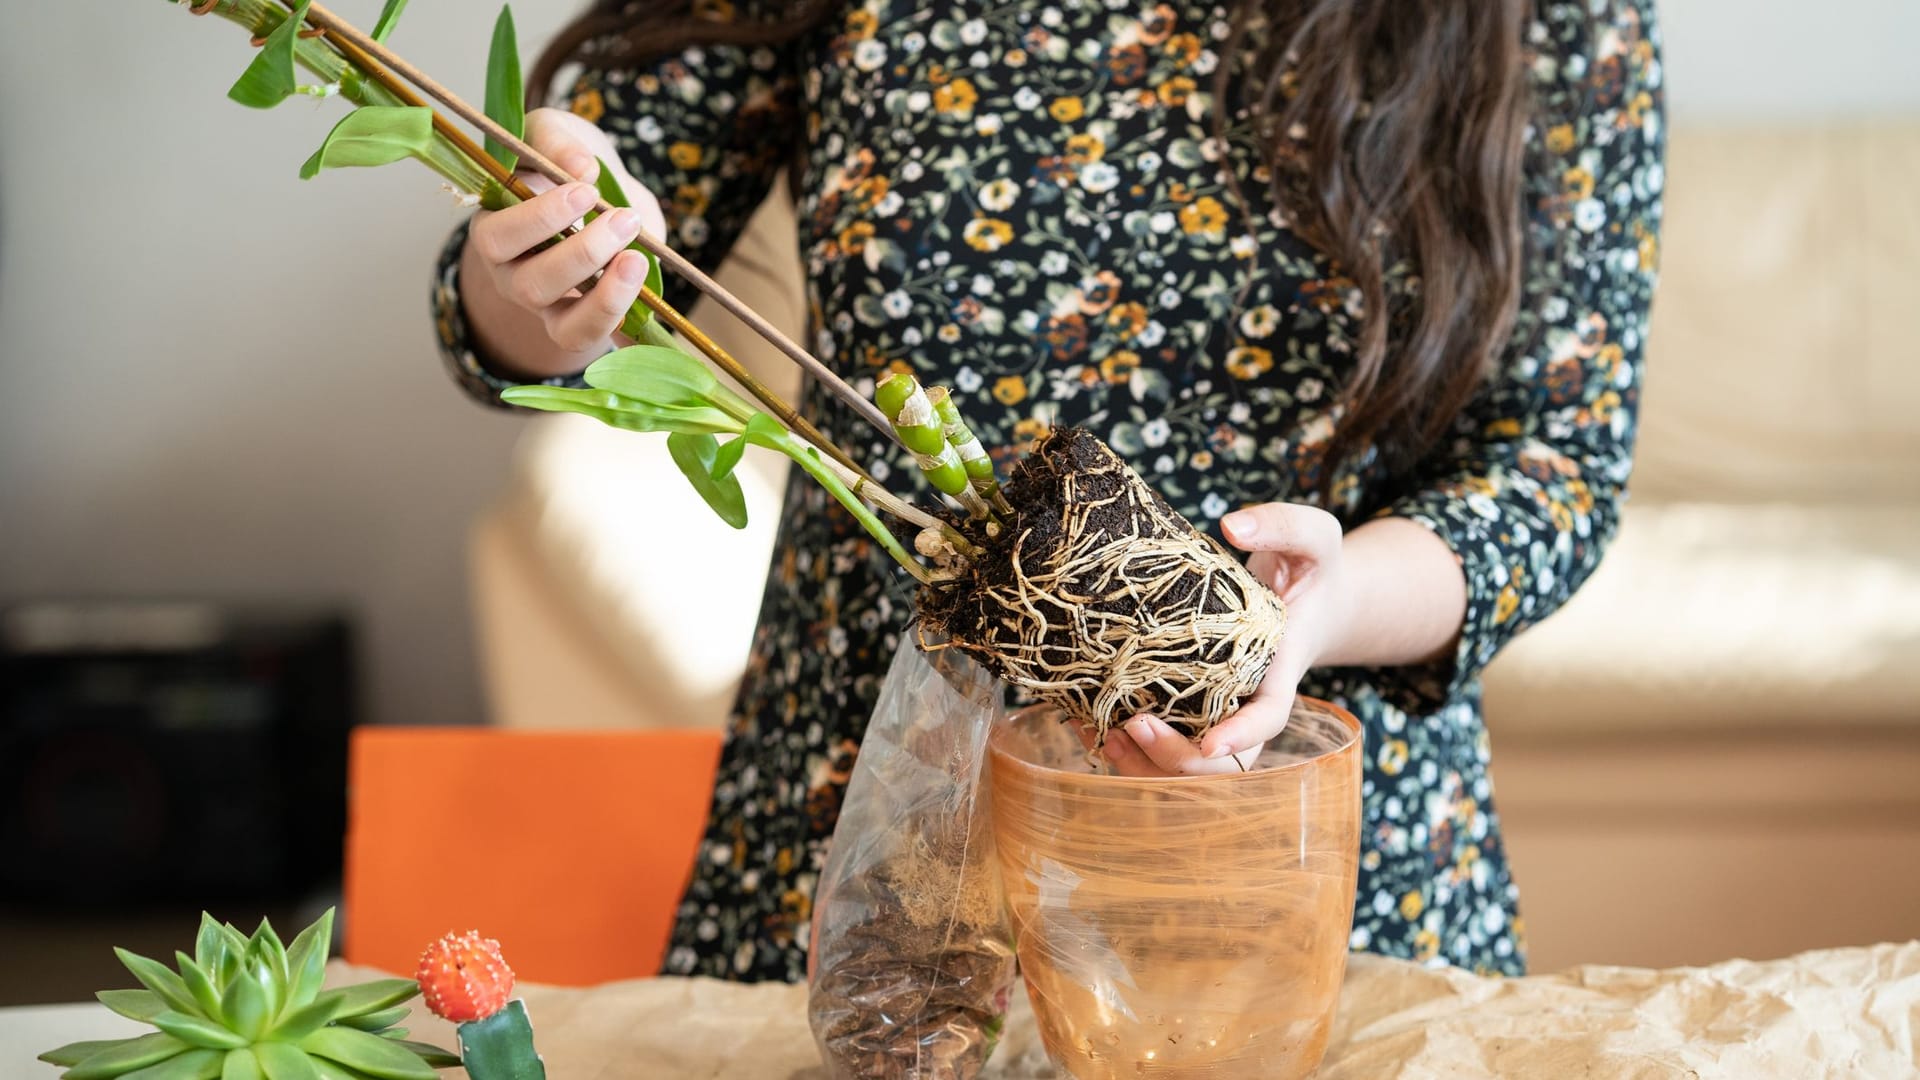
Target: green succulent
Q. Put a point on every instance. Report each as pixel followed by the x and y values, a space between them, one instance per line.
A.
pixel 250 1008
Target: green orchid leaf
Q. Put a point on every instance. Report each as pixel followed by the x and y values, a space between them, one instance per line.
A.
pixel 77 1052
pixel 198 1031
pixel 432 1055
pixel 389 18
pixel 372 996
pixel 695 454
pixel 271 78
pixel 307 961
pixel 240 1065
pixel 373 135
pixel 141 1005
pixel 662 376
pixel 209 945
pixel 506 102
pixel 374 1021
pixel 127 1055
pixel 245 1004
pixel 615 195
pixel 729 456
pixel 156 977
pixel 192 1065
pixel 366 1053
pixel 764 430
pixel 615 411
pixel 297 1024
pixel 284 1061
pixel 200 985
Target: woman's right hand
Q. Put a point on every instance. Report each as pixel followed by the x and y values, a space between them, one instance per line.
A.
pixel 523 305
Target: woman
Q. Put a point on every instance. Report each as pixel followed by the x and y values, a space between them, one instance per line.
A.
pixel 1363 283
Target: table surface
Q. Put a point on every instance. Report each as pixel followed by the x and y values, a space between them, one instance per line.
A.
pixel 1838 1012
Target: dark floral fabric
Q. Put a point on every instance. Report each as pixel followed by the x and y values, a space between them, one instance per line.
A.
pixel 1029 202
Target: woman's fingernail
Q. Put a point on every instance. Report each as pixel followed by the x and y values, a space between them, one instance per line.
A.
pixel 628 270
pixel 1242 524
pixel 580 198
pixel 1141 731
pixel 1220 750
pixel 625 222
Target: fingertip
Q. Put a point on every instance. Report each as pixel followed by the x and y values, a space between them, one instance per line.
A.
pixel 1142 730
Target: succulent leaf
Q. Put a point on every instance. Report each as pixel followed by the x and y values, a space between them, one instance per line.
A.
pixel 76 1052
pixel 374 1021
pixel 307 961
pixel 236 952
pixel 373 996
pixel 266 943
pixel 141 1005
pixel 297 1024
pixel 156 977
pixel 284 1061
pixel 198 1031
pixel 432 1055
pixel 192 1065
pixel 127 1055
pixel 200 985
pixel 398 1034
pixel 328 1070
pixel 209 945
pixel 240 1065
pixel 366 1053
pixel 245 1006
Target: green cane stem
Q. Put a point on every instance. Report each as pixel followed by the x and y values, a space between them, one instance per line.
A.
pixel 913 418
pixel 973 456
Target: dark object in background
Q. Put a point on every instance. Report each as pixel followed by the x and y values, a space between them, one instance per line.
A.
pixel 171 753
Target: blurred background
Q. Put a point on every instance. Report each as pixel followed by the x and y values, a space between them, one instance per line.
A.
pixel 219 395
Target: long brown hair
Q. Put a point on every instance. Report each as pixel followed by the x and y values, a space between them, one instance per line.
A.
pixel 1394 132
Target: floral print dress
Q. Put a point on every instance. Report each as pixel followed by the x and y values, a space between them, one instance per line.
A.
pixel 1028 201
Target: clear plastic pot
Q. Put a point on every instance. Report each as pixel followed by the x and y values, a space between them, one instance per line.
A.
pixel 1186 926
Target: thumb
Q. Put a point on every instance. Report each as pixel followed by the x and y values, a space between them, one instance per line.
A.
pixel 1289 527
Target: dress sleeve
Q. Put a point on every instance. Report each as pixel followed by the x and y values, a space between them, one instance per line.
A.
pixel 1527 491
pixel 705 130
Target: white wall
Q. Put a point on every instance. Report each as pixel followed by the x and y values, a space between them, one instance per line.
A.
pixel 215 379
pixel 218 380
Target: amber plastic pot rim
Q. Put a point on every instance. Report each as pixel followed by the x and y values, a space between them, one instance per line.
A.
pixel 1004 759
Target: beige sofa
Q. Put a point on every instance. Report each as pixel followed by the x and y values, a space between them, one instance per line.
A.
pixel 1713 751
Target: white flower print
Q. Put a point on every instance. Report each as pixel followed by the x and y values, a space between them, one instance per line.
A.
pixel 1099 177
pixel 999 194
pixel 1260 321
pixel 1155 432
pixel 896 304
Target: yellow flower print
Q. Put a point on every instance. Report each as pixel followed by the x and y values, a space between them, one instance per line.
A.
pixel 1183 48
pixel 987 234
pixel 588 105
pixel 1249 362
pixel 689 201
pixel 948 333
pixel 1204 215
pixel 1504 428
pixel 957 96
pixel 684 155
pixel 1010 390
pixel 899 367
pixel 1393 756
pixel 869 192
pixel 1578 183
pixel 1560 138
pixel 861 23
pixel 1175 91
pixel 1582 496
pixel 1201 459
pixel 1129 320
pixel 1610 359
pixel 1412 904
pixel 1506 604
pixel 1605 406
pixel 1066 109
pixel 713 10
pixel 853 238
pixel 1118 367
pixel 1649 247
pixel 1260 322
pixel 1426 945
pixel 1085 149
pixel 1562 517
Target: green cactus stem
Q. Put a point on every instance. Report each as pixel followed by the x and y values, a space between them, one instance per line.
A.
pixel 500 1047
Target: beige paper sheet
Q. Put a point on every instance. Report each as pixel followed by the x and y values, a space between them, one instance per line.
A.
pixel 1835 1013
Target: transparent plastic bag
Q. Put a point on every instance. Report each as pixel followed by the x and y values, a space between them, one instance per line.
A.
pixel 912 966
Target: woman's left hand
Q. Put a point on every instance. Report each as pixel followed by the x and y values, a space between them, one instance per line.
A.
pixel 1297 552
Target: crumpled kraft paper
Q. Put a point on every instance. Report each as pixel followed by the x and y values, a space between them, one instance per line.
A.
pixel 1833 1013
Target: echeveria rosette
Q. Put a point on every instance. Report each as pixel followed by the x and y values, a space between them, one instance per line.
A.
pixel 251 1008
pixel 466 980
